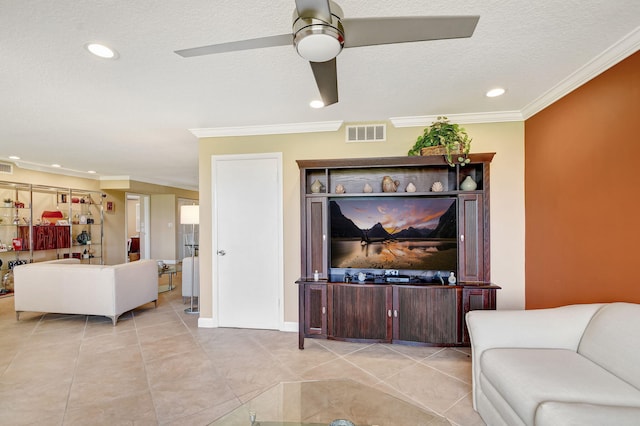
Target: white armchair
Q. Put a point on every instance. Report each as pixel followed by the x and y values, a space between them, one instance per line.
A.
pixel 186 276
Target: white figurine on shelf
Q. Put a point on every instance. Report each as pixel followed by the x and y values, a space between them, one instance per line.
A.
pixel 452 278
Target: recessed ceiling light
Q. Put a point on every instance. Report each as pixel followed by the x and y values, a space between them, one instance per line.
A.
pixel 498 91
pixel 56 165
pixel 14 157
pixel 101 50
pixel 316 104
pixel 91 171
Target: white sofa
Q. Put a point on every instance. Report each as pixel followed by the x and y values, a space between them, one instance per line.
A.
pixel 573 365
pixel 186 276
pixel 67 287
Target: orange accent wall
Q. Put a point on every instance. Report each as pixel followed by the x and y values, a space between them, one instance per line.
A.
pixel 582 193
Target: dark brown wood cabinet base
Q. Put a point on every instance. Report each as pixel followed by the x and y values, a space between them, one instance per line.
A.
pixel 389 313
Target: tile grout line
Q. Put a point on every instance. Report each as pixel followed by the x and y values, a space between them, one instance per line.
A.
pixel 75 370
pixel 144 365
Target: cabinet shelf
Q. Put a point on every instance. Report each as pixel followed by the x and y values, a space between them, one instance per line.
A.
pixel 422 172
pixel 391 194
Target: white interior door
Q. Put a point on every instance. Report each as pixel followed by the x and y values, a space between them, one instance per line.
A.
pixel 247 240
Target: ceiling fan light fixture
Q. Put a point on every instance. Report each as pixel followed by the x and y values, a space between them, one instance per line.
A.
pixel 318 43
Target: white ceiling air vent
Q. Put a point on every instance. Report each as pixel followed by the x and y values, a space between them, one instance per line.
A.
pixel 367 133
pixel 6 168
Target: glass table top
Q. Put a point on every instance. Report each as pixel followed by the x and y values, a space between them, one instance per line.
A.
pixel 328 402
pixel 171 271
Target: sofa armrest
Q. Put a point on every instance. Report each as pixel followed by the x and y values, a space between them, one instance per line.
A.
pixel 559 328
pixel 136 283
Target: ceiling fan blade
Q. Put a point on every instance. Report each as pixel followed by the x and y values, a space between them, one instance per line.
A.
pixel 327 80
pixel 373 31
pixel 232 46
pixel 314 9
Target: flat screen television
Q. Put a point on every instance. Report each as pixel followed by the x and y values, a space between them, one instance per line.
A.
pixel 393 239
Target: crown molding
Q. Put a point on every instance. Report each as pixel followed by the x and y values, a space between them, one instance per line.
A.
pixel 475 117
pixel 158 182
pixel 108 178
pixel 267 129
pixel 624 48
pixel 65 171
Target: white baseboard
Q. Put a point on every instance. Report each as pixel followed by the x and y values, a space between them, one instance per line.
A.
pixel 207 323
pixel 290 326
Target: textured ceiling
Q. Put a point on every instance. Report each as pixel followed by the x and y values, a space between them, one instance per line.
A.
pixel 131 117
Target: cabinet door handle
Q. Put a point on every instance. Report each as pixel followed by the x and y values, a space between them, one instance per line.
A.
pixel 324 310
pixel 395 313
pixel 389 313
pixel 462 238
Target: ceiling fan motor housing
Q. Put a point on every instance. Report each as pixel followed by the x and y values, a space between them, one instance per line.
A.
pixel 317 40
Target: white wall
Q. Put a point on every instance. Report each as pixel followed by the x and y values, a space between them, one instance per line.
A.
pixel 163 227
pixel 507 196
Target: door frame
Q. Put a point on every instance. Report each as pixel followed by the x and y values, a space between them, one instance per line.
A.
pixel 145 243
pixel 215 289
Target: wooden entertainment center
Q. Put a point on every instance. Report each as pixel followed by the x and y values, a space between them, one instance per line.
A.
pixel 374 310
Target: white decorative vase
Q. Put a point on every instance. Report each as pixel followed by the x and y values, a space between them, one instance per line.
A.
pixel 437 187
pixel 468 184
pixel 411 187
pixel 367 188
pixel 316 186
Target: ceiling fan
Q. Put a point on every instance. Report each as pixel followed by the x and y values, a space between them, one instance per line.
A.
pixel 320 33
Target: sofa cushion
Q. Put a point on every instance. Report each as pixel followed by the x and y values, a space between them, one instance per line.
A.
pixel 569 413
pixel 611 340
pixel 528 377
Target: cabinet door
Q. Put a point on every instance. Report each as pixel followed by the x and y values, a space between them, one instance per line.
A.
pixel 426 314
pixel 316 237
pixel 471 243
pixel 63 237
pixel 44 237
pixel 360 312
pixel 23 232
pixel 315 303
pixel 474 298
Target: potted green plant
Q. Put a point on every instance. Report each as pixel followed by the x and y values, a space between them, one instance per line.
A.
pixel 444 138
pixel 8 202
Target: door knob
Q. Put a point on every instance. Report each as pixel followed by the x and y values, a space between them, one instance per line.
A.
pixel 221 252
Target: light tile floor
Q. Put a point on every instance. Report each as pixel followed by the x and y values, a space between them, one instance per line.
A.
pixel 157 367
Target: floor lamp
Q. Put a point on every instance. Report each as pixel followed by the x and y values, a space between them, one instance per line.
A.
pixel 190 215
